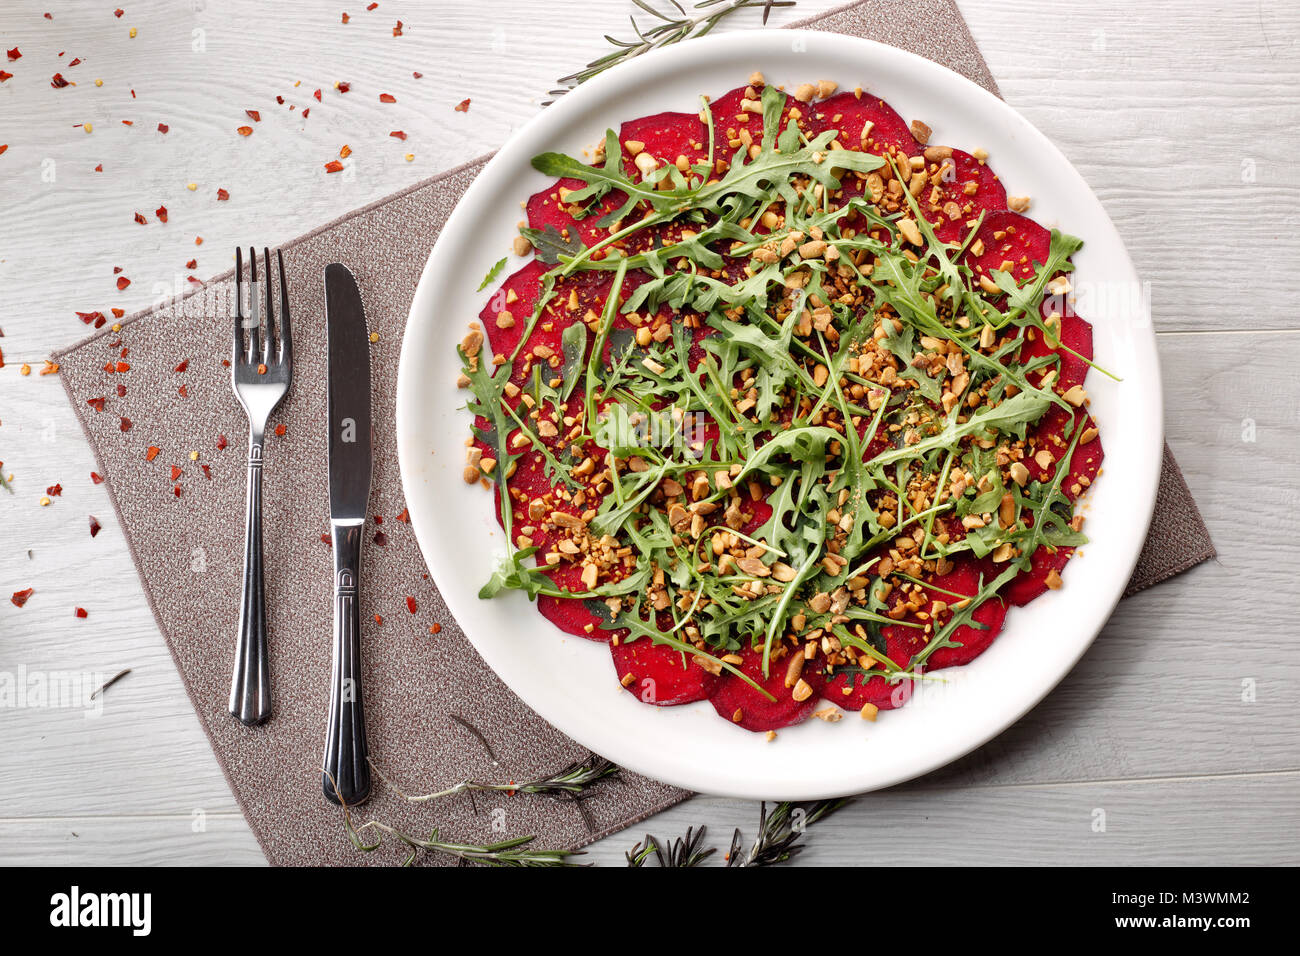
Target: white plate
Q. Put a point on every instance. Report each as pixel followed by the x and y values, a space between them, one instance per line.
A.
pixel 571 682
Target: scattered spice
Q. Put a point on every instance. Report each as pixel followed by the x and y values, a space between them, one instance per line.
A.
pixel 122 283
pixel 222 195
pixel 94 522
pixel 161 213
pixel 381 539
pixel 126 424
pixel 333 166
pixel 244 130
pixel 399 134
pixel 96 478
pixel 254 115
pixel 463 106
pixel 19 598
pixel 410 604
pixel 152 453
pixel 81 612
pixel 280 430
pixel 387 98
pixel 162 127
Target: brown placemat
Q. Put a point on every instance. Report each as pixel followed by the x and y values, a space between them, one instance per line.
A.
pixel 186 536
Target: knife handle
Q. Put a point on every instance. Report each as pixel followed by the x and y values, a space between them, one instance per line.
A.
pixel 250 687
pixel 346 775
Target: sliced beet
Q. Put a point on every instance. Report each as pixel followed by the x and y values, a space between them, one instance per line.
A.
pixel 974 641
pixel 973 186
pixel 1050 435
pixel 1008 237
pixel 848 113
pixel 573 616
pixel 665 136
pixel 734 696
pixel 1074 348
pixel 659 675
pixel 1033 582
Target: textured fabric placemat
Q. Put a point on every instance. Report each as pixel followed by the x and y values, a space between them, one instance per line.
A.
pixel 182 506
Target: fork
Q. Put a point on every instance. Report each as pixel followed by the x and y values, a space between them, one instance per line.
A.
pixel 260 374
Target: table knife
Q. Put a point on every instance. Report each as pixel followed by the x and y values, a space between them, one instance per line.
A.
pixel 346 775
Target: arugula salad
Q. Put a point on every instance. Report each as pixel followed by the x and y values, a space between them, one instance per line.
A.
pixel 786 405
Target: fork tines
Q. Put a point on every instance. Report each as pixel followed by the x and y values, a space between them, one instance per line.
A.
pixel 266 345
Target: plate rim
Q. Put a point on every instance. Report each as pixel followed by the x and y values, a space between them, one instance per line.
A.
pixel 571 106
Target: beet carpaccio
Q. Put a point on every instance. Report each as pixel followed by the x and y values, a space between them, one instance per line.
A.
pixel 786 406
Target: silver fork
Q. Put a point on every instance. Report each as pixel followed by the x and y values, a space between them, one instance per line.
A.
pixel 261 374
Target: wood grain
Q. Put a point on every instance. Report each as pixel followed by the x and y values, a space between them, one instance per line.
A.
pixel 1160 107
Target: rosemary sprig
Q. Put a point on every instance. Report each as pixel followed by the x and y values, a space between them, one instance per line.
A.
pixel 670 28
pixel 571 779
pixel 514 852
pixel 777 840
pixel 681 852
pixel 778 834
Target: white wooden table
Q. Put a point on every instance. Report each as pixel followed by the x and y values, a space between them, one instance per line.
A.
pixel 1175 739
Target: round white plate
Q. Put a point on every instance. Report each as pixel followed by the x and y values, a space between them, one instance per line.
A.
pixel 570 681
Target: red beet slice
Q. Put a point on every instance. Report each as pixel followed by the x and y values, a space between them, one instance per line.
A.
pixel 659 675
pixel 757 712
pixel 848 114
pixel 1033 582
pixel 1008 237
pixel 973 186
pixel 1049 435
pixel 1074 348
pixel 573 616
pixel 665 136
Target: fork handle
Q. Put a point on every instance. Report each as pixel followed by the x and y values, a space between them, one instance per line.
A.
pixel 250 688
pixel 346 775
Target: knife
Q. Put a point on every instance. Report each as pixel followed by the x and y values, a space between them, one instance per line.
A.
pixel 346 770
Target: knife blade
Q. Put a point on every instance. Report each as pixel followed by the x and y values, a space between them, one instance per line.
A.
pixel 346 770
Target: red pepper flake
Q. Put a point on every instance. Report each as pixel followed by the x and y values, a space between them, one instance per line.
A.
pixel 140 219
pixel 397 30
pixel 122 283
pixel 280 100
pixel 346 18
pixel 152 453
pixel 345 151
pixel 207 472
pixel 128 122
pixel 123 366
pixel 381 539
pixel 387 98
pixel 410 604
pixel 435 628
pixel 89 317
pixel 5 76
pixel 118 313
pixel 97 403
pixel 14 54
pixel 96 478
pixel 280 430
pixel 343 87
pixel 379 519
pixel 192 264
pixel 372 6
pixel 94 522
pixel 81 612
pixel 75 61
pixel 195 279
pixel 398 134
pixel 417 74
pixel 221 443
pixel 244 130
pixel 176 472
pixel 222 195
pixel 117 270
pixel 125 424
pixel 463 106
pixel 99 168
pixel 54 491
pixel 254 115
pixel 161 213
pixel 333 166
pixel 20 597
pixel 378 619
pixel 327 540
pixel 404 517
pixel 162 127
pixel 176 490
pixel 317 95
pixel 118 12
pixel 198 240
